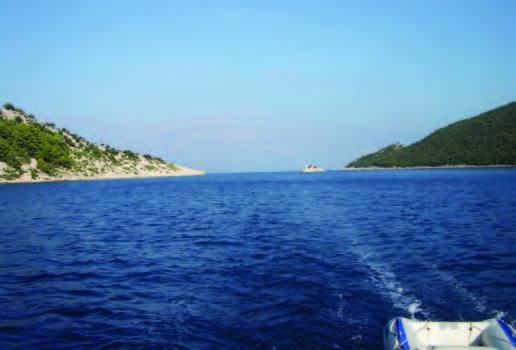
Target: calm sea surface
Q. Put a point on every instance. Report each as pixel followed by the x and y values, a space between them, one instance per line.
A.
pixel 253 261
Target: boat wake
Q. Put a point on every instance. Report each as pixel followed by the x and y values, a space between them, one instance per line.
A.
pixel 384 280
pixel 479 303
pixel 389 286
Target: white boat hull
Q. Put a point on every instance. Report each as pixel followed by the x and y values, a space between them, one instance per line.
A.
pixel 405 334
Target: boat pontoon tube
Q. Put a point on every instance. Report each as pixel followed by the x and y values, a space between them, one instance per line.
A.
pixel 405 334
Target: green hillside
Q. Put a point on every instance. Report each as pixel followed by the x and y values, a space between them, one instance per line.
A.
pixel 487 139
pixel 33 150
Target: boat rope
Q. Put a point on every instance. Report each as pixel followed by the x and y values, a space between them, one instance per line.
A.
pixel 471 327
pixel 470 332
pixel 400 346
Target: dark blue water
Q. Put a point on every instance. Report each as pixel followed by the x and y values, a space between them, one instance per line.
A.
pixel 253 261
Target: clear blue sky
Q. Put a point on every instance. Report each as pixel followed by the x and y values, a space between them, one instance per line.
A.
pixel 256 85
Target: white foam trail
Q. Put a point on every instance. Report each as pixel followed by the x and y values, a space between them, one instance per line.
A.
pixel 478 302
pixel 386 282
pixel 498 314
pixel 341 306
pixel 415 308
pixel 389 286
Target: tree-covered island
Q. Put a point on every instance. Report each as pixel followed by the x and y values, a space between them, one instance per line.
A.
pixel 34 151
pixel 488 139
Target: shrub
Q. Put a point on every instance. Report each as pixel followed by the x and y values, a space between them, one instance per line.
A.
pixel 69 141
pixel 65 162
pixel 96 152
pixel 9 106
pixel 130 155
pixel 46 167
pixel 12 174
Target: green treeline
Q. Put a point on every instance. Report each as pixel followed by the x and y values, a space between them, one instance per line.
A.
pixel 20 142
pixel 488 139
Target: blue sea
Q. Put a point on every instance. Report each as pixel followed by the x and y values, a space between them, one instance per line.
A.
pixel 253 261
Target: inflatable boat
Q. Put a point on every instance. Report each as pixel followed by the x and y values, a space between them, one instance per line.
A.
pixel 406 334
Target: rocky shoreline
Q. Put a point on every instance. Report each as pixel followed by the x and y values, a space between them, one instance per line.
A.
pixel 181 171
pixel 431 167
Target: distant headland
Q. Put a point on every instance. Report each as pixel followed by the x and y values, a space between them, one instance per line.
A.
pixel 487 140
pixel 32 151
